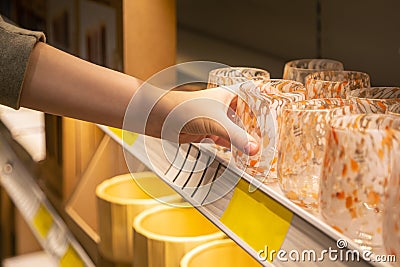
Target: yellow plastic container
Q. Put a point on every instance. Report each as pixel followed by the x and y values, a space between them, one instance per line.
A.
pixel 163 235
pixel 120 199
pixel 219 253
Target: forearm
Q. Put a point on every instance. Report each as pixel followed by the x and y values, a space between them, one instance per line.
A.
pixel 58 83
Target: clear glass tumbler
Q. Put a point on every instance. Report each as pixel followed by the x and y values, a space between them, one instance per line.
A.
pixel 230 76
pixel 332 84
pixel 374 99
pixel 297 70
pixel 258 112
pixel 355 175
pixel 301 147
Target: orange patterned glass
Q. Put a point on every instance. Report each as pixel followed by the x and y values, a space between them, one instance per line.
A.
pixel 258 111
pixel 355 175
pixel 301 147
pixel 230 76
pixel 391 214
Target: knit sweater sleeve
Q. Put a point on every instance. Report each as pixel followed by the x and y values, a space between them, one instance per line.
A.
pixel 16 45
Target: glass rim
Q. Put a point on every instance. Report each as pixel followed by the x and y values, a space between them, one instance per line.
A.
pixel 278 94
pixel 294 106
pixel 269 96
pixel 350 96
pixel 212 72
pixel 283 80
pixel 353 125
pixel 295 61
pixel 266 81
pixel 395 106
pixel 363 75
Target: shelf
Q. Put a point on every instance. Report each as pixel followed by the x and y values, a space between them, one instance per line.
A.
pixel 256 216
pixel 47 226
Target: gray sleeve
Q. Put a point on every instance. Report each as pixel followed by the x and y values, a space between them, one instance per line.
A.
pixel 16 45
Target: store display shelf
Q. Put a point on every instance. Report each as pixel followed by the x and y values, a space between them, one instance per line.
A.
pixel 47 226
pixel 258 217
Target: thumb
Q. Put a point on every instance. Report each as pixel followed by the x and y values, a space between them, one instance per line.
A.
pixel 238 137
pixel 226 128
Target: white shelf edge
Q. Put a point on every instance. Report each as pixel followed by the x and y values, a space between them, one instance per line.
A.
pixel 45 223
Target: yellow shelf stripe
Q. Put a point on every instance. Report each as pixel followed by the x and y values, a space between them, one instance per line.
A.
pixel 127 137
pixel 71 258
pixel 256 218
pixel 43 221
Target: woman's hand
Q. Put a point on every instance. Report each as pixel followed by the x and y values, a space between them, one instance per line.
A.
pixel 197 115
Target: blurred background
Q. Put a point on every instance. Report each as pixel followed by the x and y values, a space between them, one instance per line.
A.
pixel 140 37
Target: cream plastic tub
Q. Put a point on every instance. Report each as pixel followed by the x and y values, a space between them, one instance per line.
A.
pixel 219 253
pixel 120 199
pixel 162 235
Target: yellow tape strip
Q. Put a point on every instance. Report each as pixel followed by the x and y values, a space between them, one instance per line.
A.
pixel 43 221
pixel 256 218
pixel 127 137
pixel 71 258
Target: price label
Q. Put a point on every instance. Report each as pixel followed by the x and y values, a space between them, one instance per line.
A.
pixel 256 218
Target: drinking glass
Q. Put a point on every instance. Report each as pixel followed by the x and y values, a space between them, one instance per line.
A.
pixel 258 112
pixel 374 99
pixel 301 147
pixel 332 84
pixel 391 214
pixel 230 76
pixel 355 175
pixel 297 70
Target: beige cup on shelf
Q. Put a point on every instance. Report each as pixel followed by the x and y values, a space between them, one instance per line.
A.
pixel 119 200
pixel 163 235
pixel 221 253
